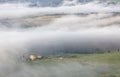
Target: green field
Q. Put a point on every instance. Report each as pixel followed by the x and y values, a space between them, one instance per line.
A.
pixel 111 58
pixel 106 64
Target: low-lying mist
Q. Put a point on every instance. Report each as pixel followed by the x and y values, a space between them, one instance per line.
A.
pixel 71 33
pixel 68 28
pixel 65 34
pixel 68 69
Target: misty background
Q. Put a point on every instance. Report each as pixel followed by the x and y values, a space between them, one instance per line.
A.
pixel 55 27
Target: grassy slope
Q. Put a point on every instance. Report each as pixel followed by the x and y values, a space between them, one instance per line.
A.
pixel 112 59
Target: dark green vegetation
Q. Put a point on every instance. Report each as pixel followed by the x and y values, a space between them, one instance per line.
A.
pixel 106 64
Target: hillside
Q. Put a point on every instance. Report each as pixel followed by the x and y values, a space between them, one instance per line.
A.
pixel 103 65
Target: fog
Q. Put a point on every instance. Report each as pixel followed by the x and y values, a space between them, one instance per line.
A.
pixel 13 10
pixel 71 27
